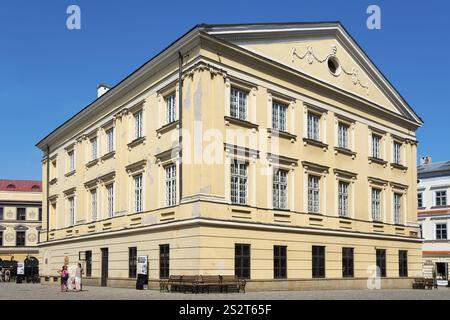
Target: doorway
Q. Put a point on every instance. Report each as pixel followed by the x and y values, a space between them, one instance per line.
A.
pixel 104 278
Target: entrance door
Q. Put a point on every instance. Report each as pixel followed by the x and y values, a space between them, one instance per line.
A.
pixel 104 280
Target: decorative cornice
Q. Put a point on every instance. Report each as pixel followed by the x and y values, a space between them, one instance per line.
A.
pixel 203 66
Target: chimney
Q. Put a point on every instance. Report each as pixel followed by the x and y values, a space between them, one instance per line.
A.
pixel 425 160
pixel 102 89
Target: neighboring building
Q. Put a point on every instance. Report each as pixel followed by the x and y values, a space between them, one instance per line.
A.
pixel 20 219
pixel 434 216
pixel 298 164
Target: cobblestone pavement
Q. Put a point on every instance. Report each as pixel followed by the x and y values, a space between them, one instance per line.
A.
pixel 50 292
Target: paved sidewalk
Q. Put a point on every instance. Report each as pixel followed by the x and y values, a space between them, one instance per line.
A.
pixel 49 292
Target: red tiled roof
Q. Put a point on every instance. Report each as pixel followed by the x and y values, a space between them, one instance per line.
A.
pixel 21 185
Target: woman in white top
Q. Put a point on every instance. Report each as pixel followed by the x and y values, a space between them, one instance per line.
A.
pixel 78 276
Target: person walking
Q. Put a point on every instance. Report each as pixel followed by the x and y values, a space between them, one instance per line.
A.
pixel 78 277
pixel 64 277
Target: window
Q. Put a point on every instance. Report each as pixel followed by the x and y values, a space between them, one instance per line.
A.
pixel 171 109
pixel 1 238
pixel 318 262
pixel 313 194
pixel 239 182
pixel 1 213
pixel 313 126
pixel 164 261
pixel 397 153
pixel 343 135
pixel 132 262
pixel 420 200
pixel 381 262
pixel 376 204
pixel 21 214
pixel 347 263
pixel 20 238
pixel 279 116
pixel 280 189
pixel 403 263
pixel 238 106
pixel 376 143
pixel 397 208
pixel 71 211
pixel 110 140
pixel 138 193
pixel 94 205
pixel 40 214
pixel 94 148
pixel 343 199
pixel 110 200
pixel 138 125
pixel 441 231
pixel 71 155
pixel 88 263
pixel 420 231
pixel 279 262
pixel 441 198
pixel 242 261
pixel 171 185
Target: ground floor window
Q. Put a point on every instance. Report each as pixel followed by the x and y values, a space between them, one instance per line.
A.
pixel 88 263
pixel 318 262
pixel 132 262
pixel 279 262
pixel 242 261
pixel 347 262
pixel 403 263
pixel 381 262
pixel 164 270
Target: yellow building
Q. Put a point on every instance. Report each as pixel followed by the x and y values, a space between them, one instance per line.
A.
pixel 20 219
pixel 277 152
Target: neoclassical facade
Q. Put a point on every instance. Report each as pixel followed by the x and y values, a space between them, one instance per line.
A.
pixel 20 219
pixel 276 152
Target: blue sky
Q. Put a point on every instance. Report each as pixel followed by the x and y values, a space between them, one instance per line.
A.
pixel 48 73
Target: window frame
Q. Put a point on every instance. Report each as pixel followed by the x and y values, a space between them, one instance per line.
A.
pixel 318 261
pixel 343 199
pixel 138 193
pixel 239 182
pixel 313 125
pixel 343 136
pixel 238 111
pixel 376 204
pixel 170 101
pixel 348 262
pixel 71 201
pixel 94 148
pixel 314 194
pixel 20 217
pixel 110 141
pixel 441 231
pixel 420 195
pixel 138 117
pixel 279 262
pixel 94 204
pixel 279 116
pixel 397 153
pixel 23 239
pixel 403 263
pixel 242 260
pixel 280 189
pixel 170 171
pixel 381 262
pixel 441 199
pixel 132 262
pixel 164 261
pixel 376 146
pixel 398 208
pixel 110 199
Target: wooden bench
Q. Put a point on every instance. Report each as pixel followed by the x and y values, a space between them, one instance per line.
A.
pixel 233 282
pixel 419 283
pixel 190 283
pixel 430 284
pixel 206 282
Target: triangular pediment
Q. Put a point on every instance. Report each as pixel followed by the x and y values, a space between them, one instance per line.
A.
pixel 323 51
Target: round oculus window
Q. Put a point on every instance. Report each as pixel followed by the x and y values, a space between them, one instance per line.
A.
pixel 334 66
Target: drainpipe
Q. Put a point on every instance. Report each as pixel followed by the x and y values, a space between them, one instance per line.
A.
pixel 180 117
pixel 47 191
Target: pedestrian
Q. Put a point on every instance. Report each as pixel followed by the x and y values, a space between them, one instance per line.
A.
pixel 7 275
pixel 64 277
pixel 2 275
pixel 78 277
